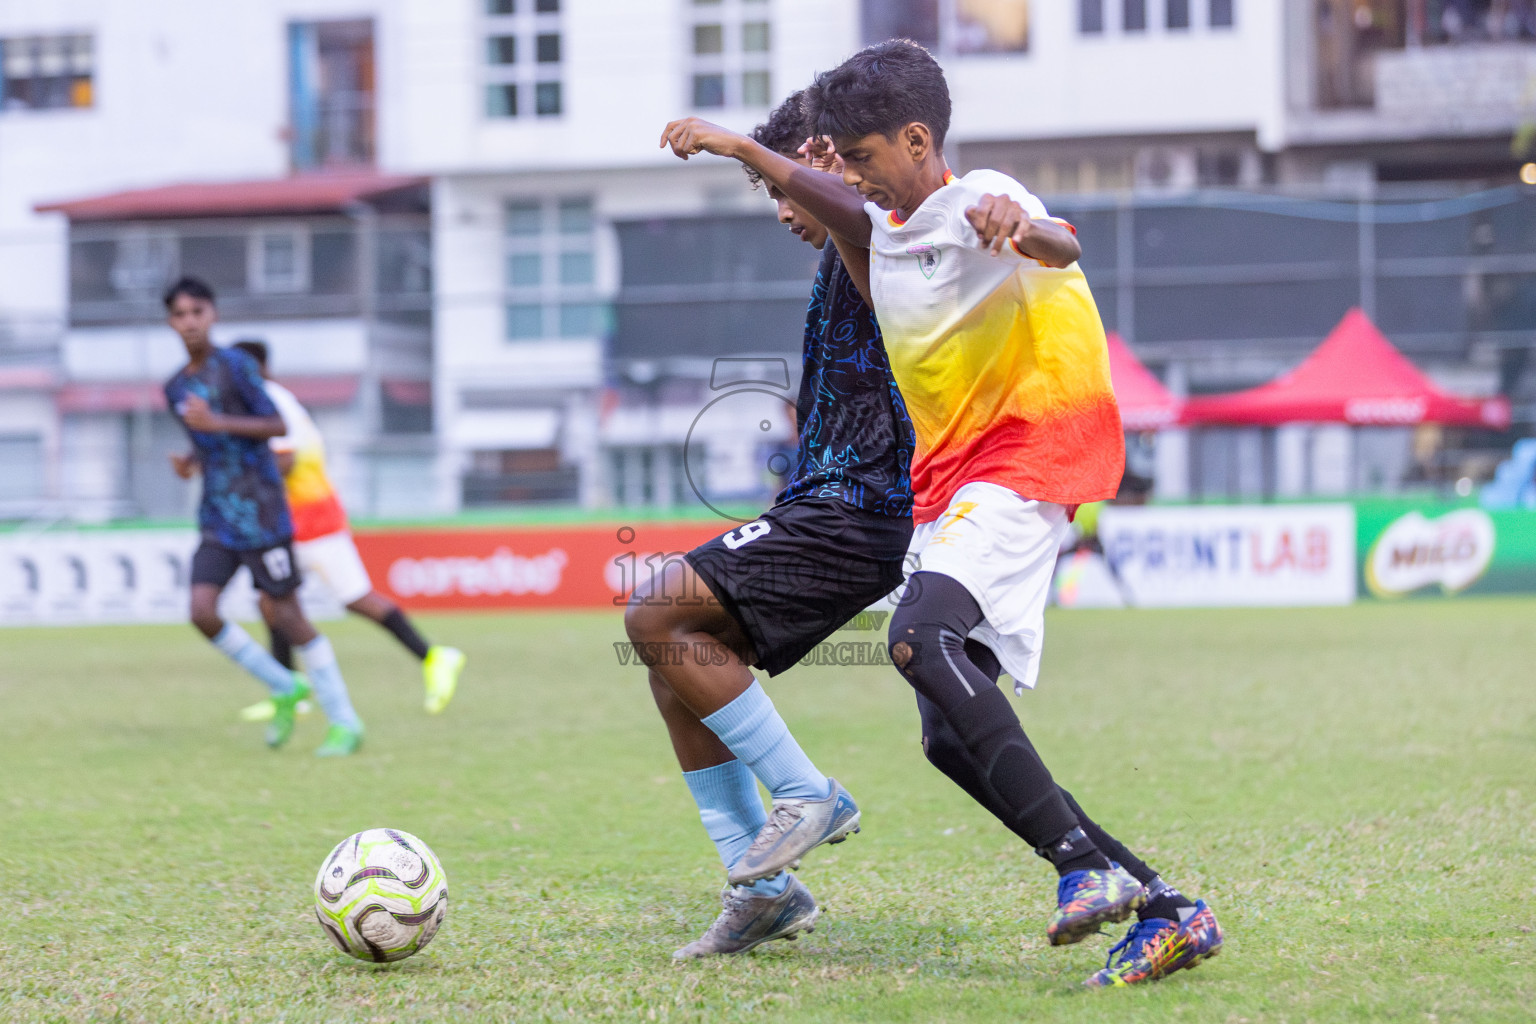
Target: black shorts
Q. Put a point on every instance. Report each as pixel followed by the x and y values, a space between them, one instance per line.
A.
pixel 798 574
pixel 274 570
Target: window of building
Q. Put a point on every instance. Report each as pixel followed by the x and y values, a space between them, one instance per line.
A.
pixel 1223 14
pixel 523 56
pixel 987 26
pixel 1133 15
pixel 279 260
pixel 953 26
pixel 1177 15
pixel 331 94
pixel 917 20
pixel 731 47
pixel 47 72
pixel 1090 16
pixel 551 270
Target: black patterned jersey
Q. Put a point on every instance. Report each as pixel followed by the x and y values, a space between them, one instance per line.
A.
pixel 243 506
pixel 855 439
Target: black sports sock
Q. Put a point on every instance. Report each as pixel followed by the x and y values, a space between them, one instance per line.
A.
pixel 1163 900
pixel 1112 847
pixel 398 624
pixel 282 650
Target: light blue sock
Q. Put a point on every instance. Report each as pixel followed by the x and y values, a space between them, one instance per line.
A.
pixel 330 689
pixel 754 732
pixel 733 814
pixel 238 646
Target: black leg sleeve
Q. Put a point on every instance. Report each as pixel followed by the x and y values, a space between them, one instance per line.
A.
pixel 928 644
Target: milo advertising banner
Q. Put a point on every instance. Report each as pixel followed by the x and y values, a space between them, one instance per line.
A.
pixel 1425 548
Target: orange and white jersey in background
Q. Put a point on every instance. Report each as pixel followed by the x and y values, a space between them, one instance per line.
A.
pixel 1002 361
pixel 312 501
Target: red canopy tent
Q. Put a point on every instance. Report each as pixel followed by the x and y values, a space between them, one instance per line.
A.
pixel 1355 376
pixel 1144 403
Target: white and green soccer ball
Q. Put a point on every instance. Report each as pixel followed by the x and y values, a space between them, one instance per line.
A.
pixel 381 895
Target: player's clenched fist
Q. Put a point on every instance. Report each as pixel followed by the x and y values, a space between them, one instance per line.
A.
pixel 997 219
pixel 691 135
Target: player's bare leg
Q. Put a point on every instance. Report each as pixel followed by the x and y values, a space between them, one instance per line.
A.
pixel 287 689
pixel 698 650
pixel 698 658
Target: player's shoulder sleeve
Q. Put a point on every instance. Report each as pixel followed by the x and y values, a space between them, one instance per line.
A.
pixel 879 220
pixel 283 399
pixel 246 377
pixel 966 192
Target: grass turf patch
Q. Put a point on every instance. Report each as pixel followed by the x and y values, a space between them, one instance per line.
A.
pixel 1350 788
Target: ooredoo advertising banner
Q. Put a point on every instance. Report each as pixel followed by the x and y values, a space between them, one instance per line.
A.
pixel 1209 555
pixel 588 566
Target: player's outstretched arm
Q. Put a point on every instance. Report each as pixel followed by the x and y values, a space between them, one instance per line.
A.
pixel 198 416
pixel 823 196
pixel 1000 219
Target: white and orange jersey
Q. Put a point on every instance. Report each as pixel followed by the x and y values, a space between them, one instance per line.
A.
pixel 312 501
pixel 1001 360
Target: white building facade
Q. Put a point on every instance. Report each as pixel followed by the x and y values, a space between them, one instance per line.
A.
pixel 585 286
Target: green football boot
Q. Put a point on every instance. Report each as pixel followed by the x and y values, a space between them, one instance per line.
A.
pixel 262 710
pixel 284 708
pixel 340 741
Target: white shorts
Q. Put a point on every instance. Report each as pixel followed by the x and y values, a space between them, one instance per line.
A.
pixel 1002 548
pixel 335 561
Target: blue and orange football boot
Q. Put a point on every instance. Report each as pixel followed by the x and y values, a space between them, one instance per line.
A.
pixel 1157 947
pixel 1087 899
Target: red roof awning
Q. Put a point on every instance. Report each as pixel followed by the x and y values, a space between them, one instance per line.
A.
pixel 1145 404
pixel 1354 376
pixel 131 396
pixel 313 193
pixel 322 391
pixel 409 392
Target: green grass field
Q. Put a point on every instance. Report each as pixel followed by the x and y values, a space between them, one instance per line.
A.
pixel 1351 789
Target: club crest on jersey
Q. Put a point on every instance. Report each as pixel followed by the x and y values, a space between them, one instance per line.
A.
pixel 927 258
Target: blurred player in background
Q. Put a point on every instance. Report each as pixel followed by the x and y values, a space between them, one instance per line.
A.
pixel 767 593
pixel 1000 355
pixel 243 520
pixel 325 548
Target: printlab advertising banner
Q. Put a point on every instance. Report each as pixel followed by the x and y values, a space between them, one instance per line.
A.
pixel 1231 555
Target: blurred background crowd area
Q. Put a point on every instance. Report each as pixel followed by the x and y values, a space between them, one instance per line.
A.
pixel 451 223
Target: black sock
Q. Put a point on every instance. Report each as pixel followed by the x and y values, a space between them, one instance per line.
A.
pixel 282 650
pixel 1112 847
pixel 1163 900
pixel 398 624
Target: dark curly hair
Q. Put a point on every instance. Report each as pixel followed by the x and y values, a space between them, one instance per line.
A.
pixel 191 287
pixel 880 89
pixel 783 132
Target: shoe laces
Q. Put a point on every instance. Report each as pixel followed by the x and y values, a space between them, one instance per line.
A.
pixel 784 815
pixel 1135 941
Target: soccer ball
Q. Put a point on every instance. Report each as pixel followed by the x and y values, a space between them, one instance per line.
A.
pixel 381 895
